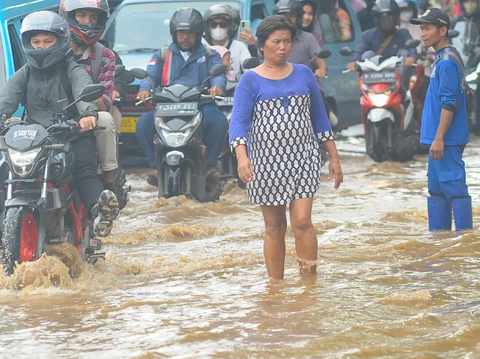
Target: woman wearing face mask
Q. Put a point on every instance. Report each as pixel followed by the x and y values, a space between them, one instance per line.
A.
pixel 309 11
pixel 220 27
pixel 408 11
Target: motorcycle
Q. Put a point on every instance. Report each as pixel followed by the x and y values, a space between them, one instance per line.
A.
pixel 181 155
pixel 227 162
pixel 390 120
pixel 42 207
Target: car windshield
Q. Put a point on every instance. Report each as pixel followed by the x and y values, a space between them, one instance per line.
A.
pixel 145 27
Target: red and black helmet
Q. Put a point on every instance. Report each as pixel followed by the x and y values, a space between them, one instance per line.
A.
pixel 89 33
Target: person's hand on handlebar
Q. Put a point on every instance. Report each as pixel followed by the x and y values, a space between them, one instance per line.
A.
pixel 87 123
pixel 215 91
pixel 351 65
pixel 143 95
pixel 320 73
pixel 409 61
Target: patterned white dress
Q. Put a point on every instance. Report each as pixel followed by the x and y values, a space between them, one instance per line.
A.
pixel 286 120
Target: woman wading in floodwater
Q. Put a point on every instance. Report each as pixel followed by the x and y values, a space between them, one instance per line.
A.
pixel 279 103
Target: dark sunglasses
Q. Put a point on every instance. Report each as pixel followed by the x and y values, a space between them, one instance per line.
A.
pixel 222 24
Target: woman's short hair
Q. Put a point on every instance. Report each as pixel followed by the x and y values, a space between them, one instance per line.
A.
pixel 271 24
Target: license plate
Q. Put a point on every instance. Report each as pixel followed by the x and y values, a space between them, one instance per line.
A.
pixel 172 109
pixel 379 77
pixel 227 101
pixel 128 124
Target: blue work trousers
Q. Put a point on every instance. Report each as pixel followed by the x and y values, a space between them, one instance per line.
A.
pixel 214 127
pixel 447 177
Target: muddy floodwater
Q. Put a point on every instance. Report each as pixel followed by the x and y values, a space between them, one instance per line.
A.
pixel 188 280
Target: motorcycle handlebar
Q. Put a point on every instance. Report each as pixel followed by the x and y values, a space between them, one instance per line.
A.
pixel 144 101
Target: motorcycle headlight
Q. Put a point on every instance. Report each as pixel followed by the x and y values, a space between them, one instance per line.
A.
pixel 23 161
pixel 178 138
pixel 378 100
pixel 175 139
pixel 472 77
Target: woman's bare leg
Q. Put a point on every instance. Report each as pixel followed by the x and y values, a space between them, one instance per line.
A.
pixel 274 245
pixel 305 235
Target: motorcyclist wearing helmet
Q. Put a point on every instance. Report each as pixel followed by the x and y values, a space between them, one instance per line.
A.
pixel 220 29
pixel 187 63
pixel 87 20
pixel 305 45
pixel 387 13
pixel 38 87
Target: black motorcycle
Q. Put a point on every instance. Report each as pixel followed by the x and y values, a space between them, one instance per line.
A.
pixel 181 155
pixel 41 205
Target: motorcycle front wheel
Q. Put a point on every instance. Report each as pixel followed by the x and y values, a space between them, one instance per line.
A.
pixel 20 234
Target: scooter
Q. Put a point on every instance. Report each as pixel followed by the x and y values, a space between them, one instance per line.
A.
pixel 181 155
pixel 42 206
pixel 227 162
pixel 392 130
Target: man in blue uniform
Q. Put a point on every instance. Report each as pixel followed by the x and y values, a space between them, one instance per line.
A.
pixel 444 128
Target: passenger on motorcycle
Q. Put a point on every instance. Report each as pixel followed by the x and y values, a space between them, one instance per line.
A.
pixel 220 29
pixel 38 87
pixel 87 20
pixel 187 63
pixel 309 12
pixel 385 39
pixel 305 45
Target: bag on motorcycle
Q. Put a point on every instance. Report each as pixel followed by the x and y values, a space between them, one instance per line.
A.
pixel 470 94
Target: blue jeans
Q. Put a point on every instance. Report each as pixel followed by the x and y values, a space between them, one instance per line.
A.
pixel 214 127
pixel 447 177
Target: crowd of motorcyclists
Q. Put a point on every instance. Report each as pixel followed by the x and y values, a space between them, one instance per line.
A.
pixel 65 54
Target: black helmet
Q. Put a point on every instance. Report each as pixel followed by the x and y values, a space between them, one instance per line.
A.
pixel 409 4
pixel 290 6
pixel 85 34
pixel 45 21
pixel 385 6
pixel 187 18
pixel 472 8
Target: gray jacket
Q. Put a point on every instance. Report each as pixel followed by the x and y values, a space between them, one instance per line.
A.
pixel 44 95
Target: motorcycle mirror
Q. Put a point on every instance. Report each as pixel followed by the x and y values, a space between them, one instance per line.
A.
pixel 139 73
pixel 412 43
pixel 452 33
pixel 324 54
pixel 251 63
pixel 218 69
pixel 91 93
pixel 119 70
pixel 346 51
pixel 129 78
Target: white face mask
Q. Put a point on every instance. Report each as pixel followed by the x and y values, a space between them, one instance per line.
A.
pixel 470 7
pixel 219 34
pixel 406 16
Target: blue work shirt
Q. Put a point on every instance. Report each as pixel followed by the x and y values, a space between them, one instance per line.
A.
pixel 446 91
pixel 372 40
pixel 190 73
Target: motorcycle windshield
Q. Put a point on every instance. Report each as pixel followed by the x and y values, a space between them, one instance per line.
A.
pixel 24 138
pixel 177 93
